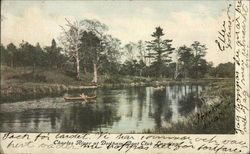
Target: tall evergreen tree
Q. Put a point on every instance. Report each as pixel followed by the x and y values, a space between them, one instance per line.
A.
pixel 54 56
pixel 161 49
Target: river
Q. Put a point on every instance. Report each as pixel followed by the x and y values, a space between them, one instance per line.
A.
pixel 117 110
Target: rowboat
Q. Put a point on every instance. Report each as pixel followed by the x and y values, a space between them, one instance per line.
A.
pixel 86 98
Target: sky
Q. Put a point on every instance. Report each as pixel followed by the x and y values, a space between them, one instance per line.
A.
pixel 130 21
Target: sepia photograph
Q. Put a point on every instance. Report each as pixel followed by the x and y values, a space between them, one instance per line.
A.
pixel 135 67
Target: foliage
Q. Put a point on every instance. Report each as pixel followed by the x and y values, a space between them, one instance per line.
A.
pixel 54 56
pixel 161 51
pixel 186 59
pixel 142 51
pixel 223 70
pixel 89 42
pixel 29 55
pixel 89 47
pixel 111 59
pixel 130 51
pixel 191 62
pixel 99 50
pixel 134 68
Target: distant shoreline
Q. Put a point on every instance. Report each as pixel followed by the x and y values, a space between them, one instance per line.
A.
pixel 24 92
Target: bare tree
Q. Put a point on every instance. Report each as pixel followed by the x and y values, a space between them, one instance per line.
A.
pixel 142 53
pixel 71 42
pixel 130 49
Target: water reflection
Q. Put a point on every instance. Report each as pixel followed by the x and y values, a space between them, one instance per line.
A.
pixel 115 110
pixel 161 105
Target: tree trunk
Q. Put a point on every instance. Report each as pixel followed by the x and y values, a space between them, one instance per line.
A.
pixel 196 65
pixel 176 71
pixel 12 63
pixel 106 76
pixel 85 69
pixel 94 73
pixel 34 67
pixel 77 65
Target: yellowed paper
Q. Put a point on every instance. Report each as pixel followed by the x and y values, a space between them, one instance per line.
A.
pixel 154 108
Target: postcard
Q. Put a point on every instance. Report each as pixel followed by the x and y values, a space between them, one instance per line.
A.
pixel 124 76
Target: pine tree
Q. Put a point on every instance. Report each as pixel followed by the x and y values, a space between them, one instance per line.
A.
pixel 161 49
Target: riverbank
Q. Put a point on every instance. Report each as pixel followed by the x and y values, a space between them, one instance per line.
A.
pixel 22 84
pixel 216 115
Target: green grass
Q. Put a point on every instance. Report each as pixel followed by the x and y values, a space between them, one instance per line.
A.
pixel 22 83
pixel 23 75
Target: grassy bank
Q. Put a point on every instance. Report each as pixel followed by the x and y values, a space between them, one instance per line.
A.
pixel 23 83
pixel 215 116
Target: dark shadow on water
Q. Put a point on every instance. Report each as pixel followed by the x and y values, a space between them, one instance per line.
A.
pixel 162 108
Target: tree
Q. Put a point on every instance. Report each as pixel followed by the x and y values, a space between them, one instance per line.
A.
pixel 161 51
pixel 185 61
pixel 111 58
pixel 129 50
pixel 4 55
pixel 129 67
pixel 225 70
pixel 140 67
pixel 54 56
pixel 142 53
pixel 39 58
pixel 170 70
pixel 11 50
pixel 30 54
pixel 97 30
pixel 71 43
pixel 199 52
pixel 148 56
pixel 203 67
pixel 191 62
pixel 90 45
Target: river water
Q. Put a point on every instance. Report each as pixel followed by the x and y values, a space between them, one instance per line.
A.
pixel 123 110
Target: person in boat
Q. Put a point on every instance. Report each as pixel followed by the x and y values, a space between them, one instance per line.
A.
pixel 83 96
